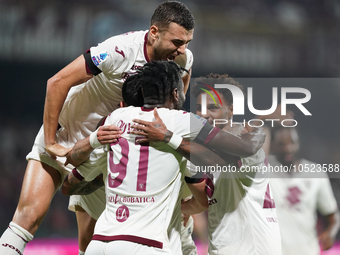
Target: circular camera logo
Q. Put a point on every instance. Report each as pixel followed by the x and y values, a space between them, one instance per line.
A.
pixel 122 213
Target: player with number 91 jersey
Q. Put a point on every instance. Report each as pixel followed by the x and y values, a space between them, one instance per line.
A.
pixel 142 182
pixel 115 59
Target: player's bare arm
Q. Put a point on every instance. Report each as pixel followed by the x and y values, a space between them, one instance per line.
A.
pixel 157 131
pixel 57 89
pixel 244 145
pixel 327 237
pixel 193 152
pixel 82 149
pixel 79 154
pixel 198 202
pixel 73 186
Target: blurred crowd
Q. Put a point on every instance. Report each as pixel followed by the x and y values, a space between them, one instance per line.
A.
pixel 17 138
pixel 267 37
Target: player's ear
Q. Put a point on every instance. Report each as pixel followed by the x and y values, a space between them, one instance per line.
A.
pixel 122 104
pixel 175 95
pixel 154 32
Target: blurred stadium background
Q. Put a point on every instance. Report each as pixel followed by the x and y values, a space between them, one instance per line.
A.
pixel 244 38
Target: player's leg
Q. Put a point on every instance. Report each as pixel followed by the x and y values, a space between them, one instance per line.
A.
pixel 40 183
pixel 85 228
pixel 39 186
pixel 88 208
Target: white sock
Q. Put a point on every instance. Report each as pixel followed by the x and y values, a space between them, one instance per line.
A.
pixel 81 252
pixel 13 241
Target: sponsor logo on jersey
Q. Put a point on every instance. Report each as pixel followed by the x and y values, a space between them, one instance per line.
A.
pixel 122 213
pixel 212 201
pixel 271 219
pixel 132 71
pixel 133 200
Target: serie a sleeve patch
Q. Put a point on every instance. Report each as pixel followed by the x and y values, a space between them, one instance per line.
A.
pixel 90 65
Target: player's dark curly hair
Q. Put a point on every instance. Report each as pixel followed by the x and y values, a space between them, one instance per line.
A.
pixel 173 11
pixel 155 81
pixel 211 80
pixel 132 91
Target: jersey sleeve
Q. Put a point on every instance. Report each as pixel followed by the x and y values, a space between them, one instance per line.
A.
pixel 95 165
pixel 186 61
pixel 189 58
pixel 187 125
pixel 112 56
pixel 326 202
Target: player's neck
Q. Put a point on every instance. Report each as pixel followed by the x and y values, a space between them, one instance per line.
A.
pixel 149 47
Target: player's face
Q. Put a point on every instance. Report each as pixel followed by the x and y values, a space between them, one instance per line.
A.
pixel 285 145
pixel 214 111
pixel 171 42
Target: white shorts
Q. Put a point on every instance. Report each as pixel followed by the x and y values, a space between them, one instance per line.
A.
pixel 188 245
pixel 94 203
pixel 122 248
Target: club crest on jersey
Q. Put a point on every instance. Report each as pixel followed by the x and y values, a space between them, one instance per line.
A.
pixel 98 59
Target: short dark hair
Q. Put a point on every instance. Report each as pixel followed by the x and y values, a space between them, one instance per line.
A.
pixel 155 81
pixel 212 79
pixel 173 11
